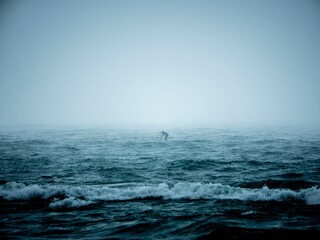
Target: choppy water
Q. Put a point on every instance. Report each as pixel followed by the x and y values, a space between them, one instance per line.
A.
pixel 106 183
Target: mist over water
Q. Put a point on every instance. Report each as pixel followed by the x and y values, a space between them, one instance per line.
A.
pixel 86 87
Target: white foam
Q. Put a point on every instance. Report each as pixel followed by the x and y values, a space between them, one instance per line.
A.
pixel 85 195
pixel 312 196
pixel 19 191
pixel 248 213
pixel 70 202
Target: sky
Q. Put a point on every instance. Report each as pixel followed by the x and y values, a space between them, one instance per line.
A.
pixel 162 62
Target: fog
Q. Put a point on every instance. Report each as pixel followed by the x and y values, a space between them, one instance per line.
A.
pixel 175 63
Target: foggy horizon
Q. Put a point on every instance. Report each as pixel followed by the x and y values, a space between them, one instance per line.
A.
pixel 160 63
pixel 168 119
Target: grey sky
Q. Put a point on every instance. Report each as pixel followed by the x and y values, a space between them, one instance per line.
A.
pixel 160 62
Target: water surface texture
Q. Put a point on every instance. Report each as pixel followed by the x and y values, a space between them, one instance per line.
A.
pixel 129 184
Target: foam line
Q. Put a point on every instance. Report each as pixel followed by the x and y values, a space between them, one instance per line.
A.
pixel 66 196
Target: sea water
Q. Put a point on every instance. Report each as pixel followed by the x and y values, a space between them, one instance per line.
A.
pixel 100 183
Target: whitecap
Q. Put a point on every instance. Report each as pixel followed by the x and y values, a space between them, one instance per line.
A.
pixel 67 196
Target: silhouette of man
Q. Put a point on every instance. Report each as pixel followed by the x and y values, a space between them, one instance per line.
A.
pixel 165 135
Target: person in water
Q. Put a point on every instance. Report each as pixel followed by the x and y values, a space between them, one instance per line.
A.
pixel 165 135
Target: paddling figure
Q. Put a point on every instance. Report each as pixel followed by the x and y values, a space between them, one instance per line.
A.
pixel 165 135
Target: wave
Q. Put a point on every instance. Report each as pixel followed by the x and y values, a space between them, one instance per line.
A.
pixel 73 197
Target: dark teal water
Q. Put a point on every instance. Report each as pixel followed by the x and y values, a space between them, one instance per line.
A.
pixel 98 183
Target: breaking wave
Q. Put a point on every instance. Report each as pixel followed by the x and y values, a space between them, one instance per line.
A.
pixel 74 197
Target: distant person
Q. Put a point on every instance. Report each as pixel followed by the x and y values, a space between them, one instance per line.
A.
pixel 165 135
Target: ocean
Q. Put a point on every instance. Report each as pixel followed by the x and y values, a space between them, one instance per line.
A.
pixel 203 183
